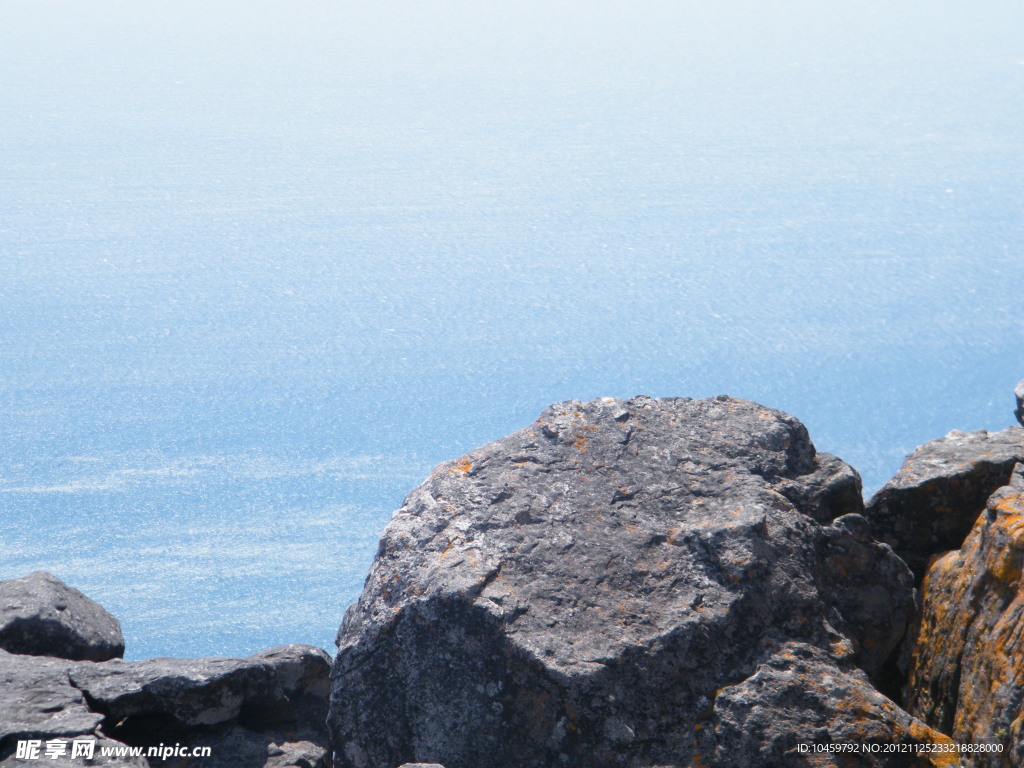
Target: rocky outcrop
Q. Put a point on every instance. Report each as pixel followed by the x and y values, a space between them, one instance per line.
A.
pixel 38 702
pixel 162 700
pixel 628 583
pixel 933 501
pixel 967 670
pixel 799 701
pixel 264 710
pixel 42 616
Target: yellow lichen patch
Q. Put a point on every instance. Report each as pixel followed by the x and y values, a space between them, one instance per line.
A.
pixel 842 648
pixel 582 439
pixel 461 468
pixel 922 734
pixel 940 562
pixel 1007 567
pixel 1010 504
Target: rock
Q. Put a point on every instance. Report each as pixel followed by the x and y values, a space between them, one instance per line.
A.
pixel 38 702
pixel 37 698
pixel 582 591
pixel 967 668
pixel 42 616
pixel 1019 394
pixel 264 711
pixel 931 504
pixel 205 691
pixel 800 701
pixel 267 695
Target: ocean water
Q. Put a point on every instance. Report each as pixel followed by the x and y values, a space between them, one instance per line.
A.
pixel 261 268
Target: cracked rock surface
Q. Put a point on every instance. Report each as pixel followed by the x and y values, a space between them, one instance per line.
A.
pixel 967 671
pixel 800 699
pixel 263 710
pixel 602 587
pixel 933 501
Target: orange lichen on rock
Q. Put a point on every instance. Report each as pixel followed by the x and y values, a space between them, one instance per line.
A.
pixel 855 724
pixel 461 468
pixel 967 668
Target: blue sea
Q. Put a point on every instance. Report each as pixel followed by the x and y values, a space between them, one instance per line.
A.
pixel 263 265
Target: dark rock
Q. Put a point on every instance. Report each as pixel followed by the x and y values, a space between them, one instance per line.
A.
pixel 800 701
pixel 38 702
pixel 42 616
pixel 931 504
pixel 1019 394
pixel 581 591
pixel 37 698
pixel 268 695
pixel 831 490
pixel 201 691
pixel 266 710
pixel 967 670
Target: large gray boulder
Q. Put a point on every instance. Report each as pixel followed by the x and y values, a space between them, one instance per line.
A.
pixel 583 591
pixel 40 615
pixel 931 504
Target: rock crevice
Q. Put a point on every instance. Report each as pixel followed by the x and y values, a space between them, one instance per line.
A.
pixel 264 711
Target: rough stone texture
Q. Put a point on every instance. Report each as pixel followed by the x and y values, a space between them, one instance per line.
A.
pixel 931 504
pixel 277 698
pixel 37 701
pixel 581 591
pixel 1019 394
pixel 42 616
pixel 205 691
pixel 36 697
pixel 264 710
pixel 967 669
pixel 798 699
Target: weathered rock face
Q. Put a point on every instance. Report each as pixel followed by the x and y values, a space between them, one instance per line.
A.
pixel 263 710
pixel 37 701
pixel 931 504
pixel 42 616
pixel 582 591
pixel 285 686
pixel 799 699
pixel 967 670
